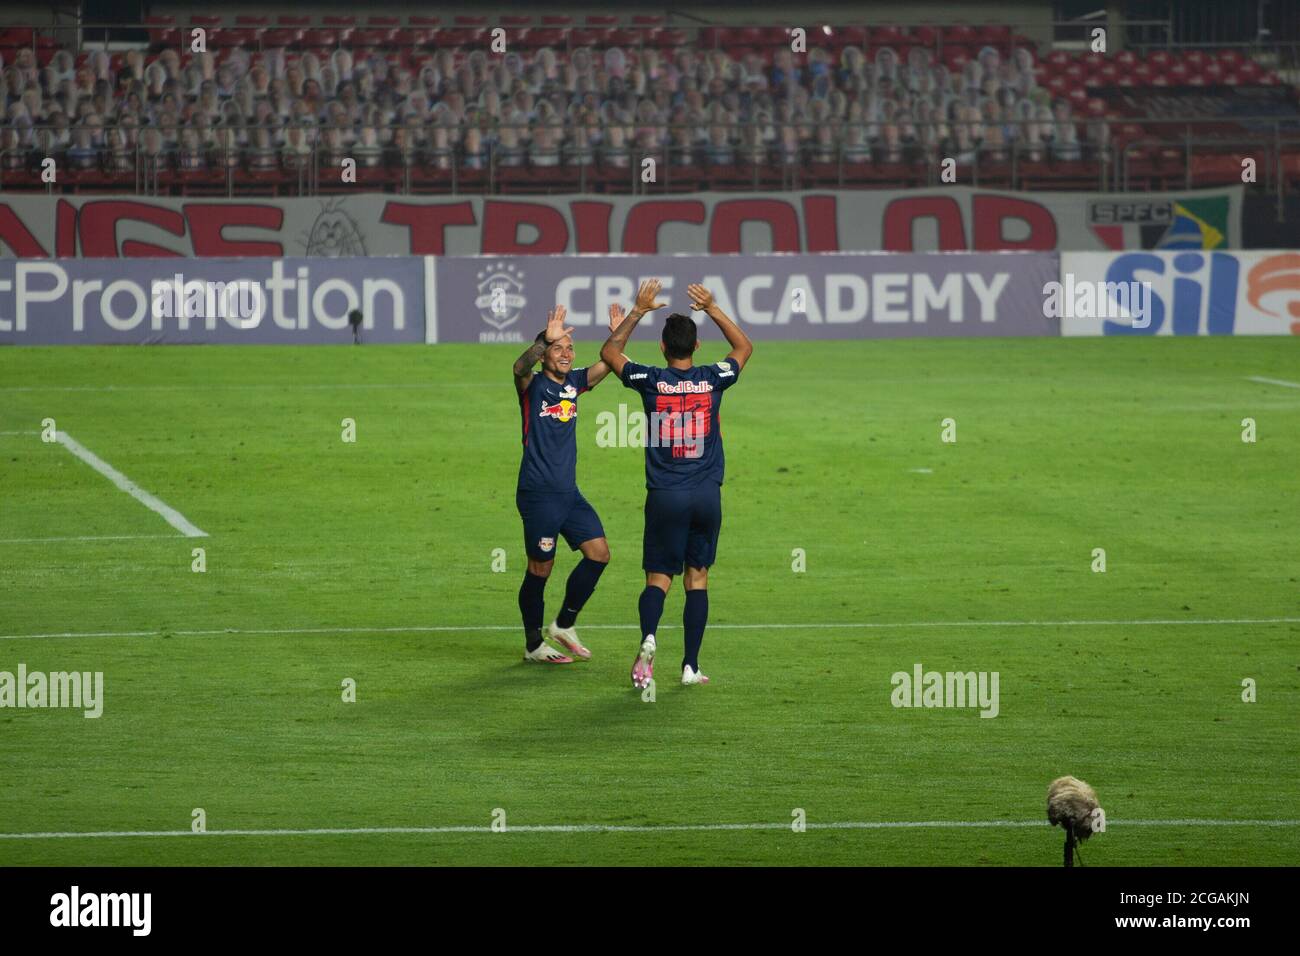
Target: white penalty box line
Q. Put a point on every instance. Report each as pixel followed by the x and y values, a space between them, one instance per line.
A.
pixel 123 483
pixel 1272 381
pixel 626 828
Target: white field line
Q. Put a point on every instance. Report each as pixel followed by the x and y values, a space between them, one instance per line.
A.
pixel 169 514
pixel 620 828
pixel 19 433
pixel 846 625
pixel 91 537
pixel 1273 381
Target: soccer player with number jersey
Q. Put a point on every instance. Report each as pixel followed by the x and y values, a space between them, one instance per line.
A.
pixel 548 498
pixel 683 465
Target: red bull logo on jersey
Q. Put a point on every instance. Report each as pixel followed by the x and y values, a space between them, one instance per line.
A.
pixel 684 387
pixel 564 410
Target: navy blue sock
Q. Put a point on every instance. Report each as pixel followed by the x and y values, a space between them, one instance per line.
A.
pixel 694 617
pixel 582 581
pixel 531 605
pixel 651 607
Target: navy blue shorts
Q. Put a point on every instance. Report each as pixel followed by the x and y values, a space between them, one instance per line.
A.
pixel 549 515
pixel 681 527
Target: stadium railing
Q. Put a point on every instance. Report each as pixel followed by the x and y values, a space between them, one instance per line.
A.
pixel 1132 154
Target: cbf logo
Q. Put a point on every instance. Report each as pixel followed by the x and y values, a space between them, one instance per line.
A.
pixel 500 295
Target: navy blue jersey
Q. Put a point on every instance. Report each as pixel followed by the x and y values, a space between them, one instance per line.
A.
pixel 683 435
pixel 550 421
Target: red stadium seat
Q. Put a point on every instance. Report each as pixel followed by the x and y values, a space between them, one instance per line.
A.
pixel 926 36
pixel 337 21
pixel 234 37
pixel 543 37
pixel 623 37
pixel 463 36
pixel 244 20
pixel 852 36
pixel 1216 170
pixel 279 38
pixel 291 21
pixel 319 38
pixel 368 37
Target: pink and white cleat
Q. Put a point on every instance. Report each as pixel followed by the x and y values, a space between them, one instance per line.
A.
pixel 544 654
pixel 565 640
pixel 692 676
pixel 643 667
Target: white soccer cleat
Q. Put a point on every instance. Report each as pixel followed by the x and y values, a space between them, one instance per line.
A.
pixel 545 654
pixel 692 676
pixel 643 668
pixel 565 639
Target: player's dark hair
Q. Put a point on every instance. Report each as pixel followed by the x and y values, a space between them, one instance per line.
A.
pixel 680 336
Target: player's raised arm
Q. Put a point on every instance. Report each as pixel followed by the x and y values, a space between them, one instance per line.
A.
pixel 553 332
pixel 741 347
pixel 598 371
pixel 647 300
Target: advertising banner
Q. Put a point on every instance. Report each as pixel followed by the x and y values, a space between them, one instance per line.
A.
pixel 943 219
pixel 1191 293
pixel 770 296
pixel 263 301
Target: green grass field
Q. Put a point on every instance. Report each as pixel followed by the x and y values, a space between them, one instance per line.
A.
pixel 373 561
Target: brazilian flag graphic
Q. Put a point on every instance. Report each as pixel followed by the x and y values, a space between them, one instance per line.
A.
pixel 1198 224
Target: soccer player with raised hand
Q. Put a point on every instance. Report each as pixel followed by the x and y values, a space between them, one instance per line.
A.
pixel 548 498
pixel 683 465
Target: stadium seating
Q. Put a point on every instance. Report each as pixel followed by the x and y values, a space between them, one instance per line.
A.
pixel 574 103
